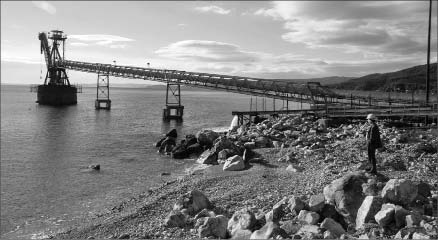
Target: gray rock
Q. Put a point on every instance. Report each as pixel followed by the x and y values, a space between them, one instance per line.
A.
pixel 240 234
pixel 413 219
pixel 194 201
pixel 308 217
pixel 234 163
pixel 213 227
pixel 222 143
pixel 385 217
pixel 404 233
pixel 243 219
pixel 250 145
pixel 316 203
pixel 208 157
pixel 417 235
pixel 290 227
pixel 296 204
pixel 346 194
pixel 310 231
pixel 262 142
pixel 206 137
pixel 369 208
pixel 400 191
pixel 400 216
pixel 334 227
pixel 328 235
pixel 270 230
pixel 175 219
pixel 293 168
pixel 204 213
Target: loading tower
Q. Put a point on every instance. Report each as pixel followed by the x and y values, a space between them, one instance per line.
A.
pixel 56 89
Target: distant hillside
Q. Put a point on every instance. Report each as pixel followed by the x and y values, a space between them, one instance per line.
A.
pixel 322 80
pixel 409 78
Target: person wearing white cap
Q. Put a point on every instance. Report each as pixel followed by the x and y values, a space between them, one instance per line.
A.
pixel 373 142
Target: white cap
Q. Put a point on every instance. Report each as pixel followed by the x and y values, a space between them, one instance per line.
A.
pixel 371 116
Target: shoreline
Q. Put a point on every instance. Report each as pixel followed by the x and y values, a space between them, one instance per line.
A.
pixel 260 186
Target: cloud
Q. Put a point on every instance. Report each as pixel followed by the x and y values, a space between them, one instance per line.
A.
pixel 46 6
pixel 79 44
pixel 182 25
pixel 213 9
pixel 26 60
pixel 209 51
pixel 372 28
pixel 110 41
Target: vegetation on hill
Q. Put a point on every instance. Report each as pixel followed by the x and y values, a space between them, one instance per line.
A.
pixel 406 79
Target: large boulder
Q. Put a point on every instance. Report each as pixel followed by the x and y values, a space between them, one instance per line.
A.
pixel 334 227
pixel 234 163
pixel 194 201
pixel 206 137
pixel 243 219
pixel 370 206
pixel 215 227
pixel 346 194
pixel 175 219
pixel 399 191
pixel 271 230
pixel 208 157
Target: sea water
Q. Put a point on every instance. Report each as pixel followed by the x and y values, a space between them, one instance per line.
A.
pixel 45 184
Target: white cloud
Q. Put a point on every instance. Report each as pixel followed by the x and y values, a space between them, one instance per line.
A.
pixel 213 9
pixel 230 59
pixel 385 29
pixel 79 44
pixel 182 25
pixel 110 41
pixel 25 60
pixel 46 6
pixel 209 51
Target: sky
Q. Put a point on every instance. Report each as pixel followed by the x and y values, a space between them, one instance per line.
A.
pixel 285 39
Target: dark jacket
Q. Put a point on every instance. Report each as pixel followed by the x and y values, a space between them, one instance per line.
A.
pixel 373 136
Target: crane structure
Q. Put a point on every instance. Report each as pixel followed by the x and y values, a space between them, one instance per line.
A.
pixel 56 89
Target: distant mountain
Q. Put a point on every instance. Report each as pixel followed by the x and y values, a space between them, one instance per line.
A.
pixel 322 80
pixel 409 78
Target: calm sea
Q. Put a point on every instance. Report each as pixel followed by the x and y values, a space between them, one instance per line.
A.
pixel 45 186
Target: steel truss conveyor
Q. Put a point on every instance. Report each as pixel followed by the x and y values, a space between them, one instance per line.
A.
pixel 312 93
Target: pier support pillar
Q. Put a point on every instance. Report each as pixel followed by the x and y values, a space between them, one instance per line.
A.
pixel 174 109
pixel 102 93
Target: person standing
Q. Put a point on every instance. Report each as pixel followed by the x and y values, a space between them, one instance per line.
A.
pixel 373 142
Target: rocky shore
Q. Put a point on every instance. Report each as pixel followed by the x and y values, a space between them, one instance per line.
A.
pixel 293 177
